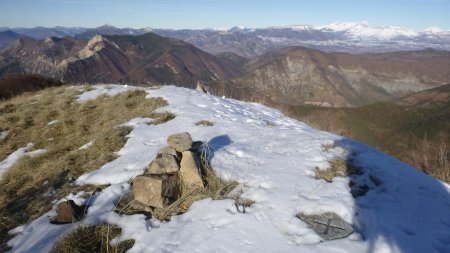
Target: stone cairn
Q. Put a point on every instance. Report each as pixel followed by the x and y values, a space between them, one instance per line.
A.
pixel 174 167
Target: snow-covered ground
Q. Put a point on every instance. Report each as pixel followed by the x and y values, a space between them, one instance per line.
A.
pixel 273 158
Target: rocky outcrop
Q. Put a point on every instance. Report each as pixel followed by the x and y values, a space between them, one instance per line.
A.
pixel 175 167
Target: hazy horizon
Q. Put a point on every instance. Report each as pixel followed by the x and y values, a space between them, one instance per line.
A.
pixel 201 14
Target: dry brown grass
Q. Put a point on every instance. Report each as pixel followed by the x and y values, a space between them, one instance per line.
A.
pixel 433 158
pixel 337 168
pixel 204 123
pixel 25 186
pixel 92 238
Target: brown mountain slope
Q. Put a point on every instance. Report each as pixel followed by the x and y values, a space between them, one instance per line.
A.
pixel 427 98
pixel 16 84
pixel 299 76
pixel 142 59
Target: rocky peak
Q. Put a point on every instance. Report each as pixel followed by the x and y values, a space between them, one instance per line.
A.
pixel 93 46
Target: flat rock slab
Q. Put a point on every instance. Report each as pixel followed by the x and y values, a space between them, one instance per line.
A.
pixel 190 170
pixel 163 164
pixel 329 226
pixel 148 190
pixel 180 142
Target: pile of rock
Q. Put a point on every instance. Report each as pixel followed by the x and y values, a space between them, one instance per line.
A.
pixel 174 167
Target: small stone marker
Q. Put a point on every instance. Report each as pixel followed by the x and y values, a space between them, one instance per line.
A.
pixel 174 167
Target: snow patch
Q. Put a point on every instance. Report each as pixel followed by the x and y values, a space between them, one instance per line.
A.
pixel 4 134
pixel 98 90
pixel 36 153
pixel 86 146
pixel 52 122
pixel 13 157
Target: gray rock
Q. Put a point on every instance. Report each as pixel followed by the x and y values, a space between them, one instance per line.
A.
pixel 329 226
pixel 180 142
pixel 190 170
pixel 148 190
pixel 163 164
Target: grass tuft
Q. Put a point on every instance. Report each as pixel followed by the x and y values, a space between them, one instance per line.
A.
pixel 93 238
pixel 204 123
pixel 160 118
pixel 337 168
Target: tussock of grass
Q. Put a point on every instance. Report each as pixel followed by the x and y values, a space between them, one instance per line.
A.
pixel 338 168
pixel 94 238
pixel 159 118
pixel 204 123
pixel 26 185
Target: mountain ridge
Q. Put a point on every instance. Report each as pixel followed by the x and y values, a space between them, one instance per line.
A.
pixel 300 76
pixel 144 59
pixel 251 42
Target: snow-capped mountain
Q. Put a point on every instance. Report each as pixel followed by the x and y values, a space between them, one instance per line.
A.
pixel 335 37
pixel 363 31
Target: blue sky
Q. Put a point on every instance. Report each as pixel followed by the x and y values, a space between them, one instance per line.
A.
pixel 416 14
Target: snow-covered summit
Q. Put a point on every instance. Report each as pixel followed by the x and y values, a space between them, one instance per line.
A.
pixel 363 30
pixel 273 157
pixel 294 27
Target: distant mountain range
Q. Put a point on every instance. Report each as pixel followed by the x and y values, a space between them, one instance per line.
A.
pixel 336 37
pixel 144 59
pixel 275 75
pixel 7 38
